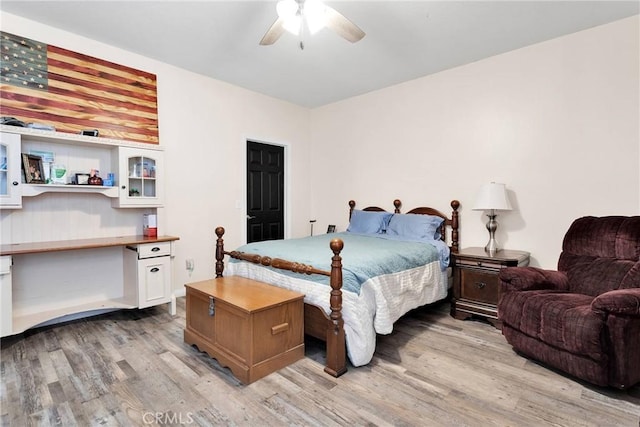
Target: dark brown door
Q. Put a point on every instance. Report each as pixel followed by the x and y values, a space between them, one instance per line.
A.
pixel 265 192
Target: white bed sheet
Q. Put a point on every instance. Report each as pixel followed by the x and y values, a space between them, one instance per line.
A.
pixel 382 300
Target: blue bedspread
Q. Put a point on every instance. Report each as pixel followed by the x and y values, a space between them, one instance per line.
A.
pixel 363 256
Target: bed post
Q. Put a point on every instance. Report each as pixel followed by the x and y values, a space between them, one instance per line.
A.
pixel 396 204
pixel 336 347
pixel 219 252
pixel 454 225
pixel 352 206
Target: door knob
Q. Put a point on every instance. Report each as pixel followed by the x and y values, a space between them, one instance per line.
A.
pixel 251 217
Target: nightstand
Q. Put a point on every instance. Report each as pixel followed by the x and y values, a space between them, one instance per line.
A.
pixel 476 290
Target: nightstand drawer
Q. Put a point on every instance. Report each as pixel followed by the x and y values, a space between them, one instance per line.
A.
pixel 480 286
pixel 495 264
pixel 476 286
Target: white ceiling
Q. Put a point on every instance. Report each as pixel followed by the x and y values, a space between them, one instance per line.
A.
pixel 405 39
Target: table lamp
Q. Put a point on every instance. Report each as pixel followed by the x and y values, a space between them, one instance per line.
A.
pixel 492 197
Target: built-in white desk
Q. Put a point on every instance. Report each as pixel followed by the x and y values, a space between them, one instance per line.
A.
pixel 43 281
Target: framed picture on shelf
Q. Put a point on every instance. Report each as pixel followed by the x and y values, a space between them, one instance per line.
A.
pixel 33 170
pixel 82 178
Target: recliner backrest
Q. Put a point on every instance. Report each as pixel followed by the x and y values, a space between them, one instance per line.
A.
pixel 600 254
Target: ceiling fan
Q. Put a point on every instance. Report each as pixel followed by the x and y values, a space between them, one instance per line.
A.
pixel 293 14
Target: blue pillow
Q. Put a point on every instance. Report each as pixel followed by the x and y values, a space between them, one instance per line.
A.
pixel 366 222
pixel 415 226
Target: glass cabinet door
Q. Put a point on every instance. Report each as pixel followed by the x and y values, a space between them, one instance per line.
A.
pixel 142 177
pixel 139 173
pixel 10 196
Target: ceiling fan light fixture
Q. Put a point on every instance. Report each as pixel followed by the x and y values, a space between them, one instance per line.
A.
pixel 288 11
pixel 315 15
pixel 293 24
pixel 287 8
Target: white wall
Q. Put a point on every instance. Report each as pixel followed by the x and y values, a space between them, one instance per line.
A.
pixel 204 125
pixel 558 122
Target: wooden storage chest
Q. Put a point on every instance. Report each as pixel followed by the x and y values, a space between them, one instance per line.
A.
pixel 251 327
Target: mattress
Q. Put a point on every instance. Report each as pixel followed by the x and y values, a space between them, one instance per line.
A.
pixel 380 302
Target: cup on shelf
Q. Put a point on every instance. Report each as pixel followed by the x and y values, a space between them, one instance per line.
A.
pixel 111 180
pixel 58 174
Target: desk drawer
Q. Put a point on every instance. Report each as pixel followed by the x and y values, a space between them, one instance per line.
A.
pixel 479 285
pixel 150 250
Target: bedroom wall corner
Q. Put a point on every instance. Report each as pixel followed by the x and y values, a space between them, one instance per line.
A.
pixel 557 122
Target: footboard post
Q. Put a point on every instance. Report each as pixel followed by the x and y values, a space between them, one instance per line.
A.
pixel 454 225
pixel 219 252
pixel 336 348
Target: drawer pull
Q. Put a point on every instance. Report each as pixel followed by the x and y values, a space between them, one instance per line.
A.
pixel 155 270
pixel 279 328
pixel 212 306
pixel 155 249
pixel 480 285
pixel 479 263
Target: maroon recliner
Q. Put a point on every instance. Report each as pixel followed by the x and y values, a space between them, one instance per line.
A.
pixel 584 318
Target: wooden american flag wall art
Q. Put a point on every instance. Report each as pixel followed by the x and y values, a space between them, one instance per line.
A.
pixel 46 84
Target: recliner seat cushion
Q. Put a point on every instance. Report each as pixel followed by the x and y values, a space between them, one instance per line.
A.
pixel 561 320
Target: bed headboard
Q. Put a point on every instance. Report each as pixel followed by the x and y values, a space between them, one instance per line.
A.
pixel 452 222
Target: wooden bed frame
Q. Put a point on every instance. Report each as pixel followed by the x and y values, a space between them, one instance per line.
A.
pixel 316 322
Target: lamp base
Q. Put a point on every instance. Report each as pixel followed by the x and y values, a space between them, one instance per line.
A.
pixel 492 248
pixel 492 226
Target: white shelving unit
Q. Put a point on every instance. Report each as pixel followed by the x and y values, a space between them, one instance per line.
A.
pixel 64 248
pixel 138 168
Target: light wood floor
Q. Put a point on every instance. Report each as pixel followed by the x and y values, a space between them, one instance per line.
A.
pixel 131 368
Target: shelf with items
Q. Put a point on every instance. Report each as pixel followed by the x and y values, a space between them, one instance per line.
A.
pixel 77 140
pixel 135 168
pixel 31 190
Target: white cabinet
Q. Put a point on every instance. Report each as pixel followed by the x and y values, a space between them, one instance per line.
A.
pixel 10 175
pixel 139 170
pixel 140 173
pixel 148 268
pixel 6 304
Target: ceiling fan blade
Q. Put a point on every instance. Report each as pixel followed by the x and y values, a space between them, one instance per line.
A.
pixel 273 33
pixel 342 26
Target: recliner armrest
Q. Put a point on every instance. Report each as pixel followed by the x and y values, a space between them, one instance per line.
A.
pixel 532 278
pixel 620 301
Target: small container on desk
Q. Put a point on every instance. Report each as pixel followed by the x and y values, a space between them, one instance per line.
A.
pixel 150 225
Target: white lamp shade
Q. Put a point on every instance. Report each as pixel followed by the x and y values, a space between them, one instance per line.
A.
pixel 492 196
